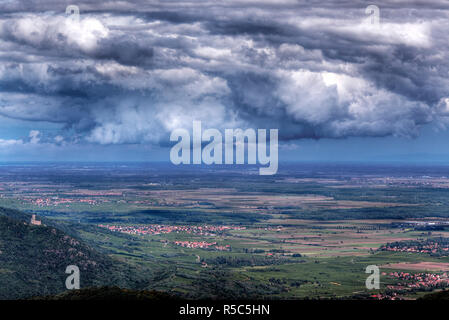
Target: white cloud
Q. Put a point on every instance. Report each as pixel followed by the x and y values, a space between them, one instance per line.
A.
pixel 34 136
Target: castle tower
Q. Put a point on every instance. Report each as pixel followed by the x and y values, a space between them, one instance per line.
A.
pixel 34 221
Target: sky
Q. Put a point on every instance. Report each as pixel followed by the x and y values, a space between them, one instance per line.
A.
pixel 113 83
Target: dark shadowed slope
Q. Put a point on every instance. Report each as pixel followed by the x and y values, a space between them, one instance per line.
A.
pixel 108 293
pixel 33 260
pixel 441 295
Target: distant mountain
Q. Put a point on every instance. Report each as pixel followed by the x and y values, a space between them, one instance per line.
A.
pixel 33 260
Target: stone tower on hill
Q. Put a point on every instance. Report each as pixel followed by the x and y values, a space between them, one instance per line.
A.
pixel 34 221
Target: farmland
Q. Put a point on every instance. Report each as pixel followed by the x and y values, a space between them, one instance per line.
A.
pixel 308 232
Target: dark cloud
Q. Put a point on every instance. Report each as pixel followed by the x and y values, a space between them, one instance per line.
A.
pixel 130 72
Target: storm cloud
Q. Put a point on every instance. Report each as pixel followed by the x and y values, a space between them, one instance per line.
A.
pixel 131 72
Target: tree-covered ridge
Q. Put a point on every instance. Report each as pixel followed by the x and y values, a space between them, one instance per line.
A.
pixel 33 260
pixel 108 293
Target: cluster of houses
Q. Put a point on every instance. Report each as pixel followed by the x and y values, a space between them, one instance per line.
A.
pixel 154 229
pixel 411 282
pixel 386 296
pixel 432 247
pixel 42 202
pixel 202 245
pixel 419 280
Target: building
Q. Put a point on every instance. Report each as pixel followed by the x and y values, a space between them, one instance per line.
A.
pixel 34 221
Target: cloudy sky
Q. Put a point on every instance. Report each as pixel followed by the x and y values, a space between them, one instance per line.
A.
pixel 114 83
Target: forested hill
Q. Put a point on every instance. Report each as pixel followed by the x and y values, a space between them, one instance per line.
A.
pixel 15 214
pixel 33 260
pixel 109 293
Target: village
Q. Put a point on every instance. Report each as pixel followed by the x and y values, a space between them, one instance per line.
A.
pixel 418 280
pixel 154 229
pixel 437 246
pixel 202 245
pixel 55 201
pixel 412 282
